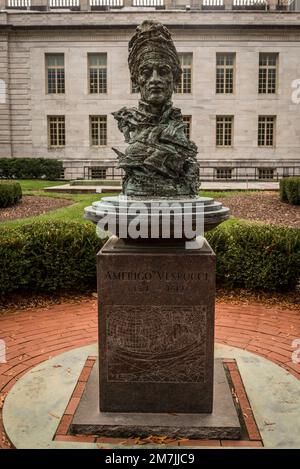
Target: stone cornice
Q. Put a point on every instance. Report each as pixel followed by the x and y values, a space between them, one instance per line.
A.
pixel 242 35
pixel 130 19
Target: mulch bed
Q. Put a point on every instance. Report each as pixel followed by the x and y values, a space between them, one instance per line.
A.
pixel 265 207
pixel 32 205
pixel 19 301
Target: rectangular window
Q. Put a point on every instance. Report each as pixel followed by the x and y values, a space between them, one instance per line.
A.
pixel 134 88
pixel 97 172
pixel 97 73
pixel 98 130
pixel 225 73
pixel 186 61
pixel 224 130
pixel 223 173
pixel 266 173
pixel 266 131
pixel 188 122
pixel 56 131
pixel 55 72
pixel 267 78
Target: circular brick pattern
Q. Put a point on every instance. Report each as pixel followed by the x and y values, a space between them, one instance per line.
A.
pixel 35 335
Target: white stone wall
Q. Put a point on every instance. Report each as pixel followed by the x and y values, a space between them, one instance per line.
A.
pixel 30 104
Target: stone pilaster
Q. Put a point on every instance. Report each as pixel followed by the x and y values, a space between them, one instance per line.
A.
pixel 5 118
pixel 85 5
pixel 228 4
pixel 41 5
pixel 168 4
pixel 273 4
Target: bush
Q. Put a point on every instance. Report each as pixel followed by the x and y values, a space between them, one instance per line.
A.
pixel 256 256
pixel 48 256
pixel 30 168
pixel 290 190
pixel 10 193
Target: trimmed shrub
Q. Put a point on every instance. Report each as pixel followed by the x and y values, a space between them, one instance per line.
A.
pixel 10 193
pixel 48 256
pixel 290 190
pixel 256 256
pixel 30 168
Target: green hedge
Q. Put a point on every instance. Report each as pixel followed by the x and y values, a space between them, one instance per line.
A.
pixel 10 193
pixel 256 256
pixel 49 256
pixel 290 190
pixel 30 168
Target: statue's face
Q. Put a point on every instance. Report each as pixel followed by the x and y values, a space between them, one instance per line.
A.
pixel 156 81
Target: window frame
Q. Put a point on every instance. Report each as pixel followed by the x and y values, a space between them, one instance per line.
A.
pixel 55 68
pixel 224 169
pixel 264 178
pixel 187 119
pixel 179 89
pixel 98 68
pixel 267 68
pixel 222 116
pixel 132 86
pixel 274 120
pixel 63 120
pixel 98 116
pixel 225 67
pixel 98 168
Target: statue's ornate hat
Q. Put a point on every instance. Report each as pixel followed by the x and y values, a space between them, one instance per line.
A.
pixel 152 38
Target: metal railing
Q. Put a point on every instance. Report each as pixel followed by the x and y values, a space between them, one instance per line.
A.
pixel 251 173
pixel 250 4
pixel 19 4
pixel 64 3
pixel 240 5
pixel 106 3
pixel 220 4
pixel 209 173
pixel 148 3
pixel 212 4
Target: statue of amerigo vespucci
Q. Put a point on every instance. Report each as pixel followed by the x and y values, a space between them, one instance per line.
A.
pixel 160 161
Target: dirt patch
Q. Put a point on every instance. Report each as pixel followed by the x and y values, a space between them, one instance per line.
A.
pixel 265 207
pixel 26 300
pixel 30 206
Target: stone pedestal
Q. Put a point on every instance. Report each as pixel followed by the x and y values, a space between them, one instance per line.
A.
pixel 156 323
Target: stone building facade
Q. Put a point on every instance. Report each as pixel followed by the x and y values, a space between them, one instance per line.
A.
pixel 240 97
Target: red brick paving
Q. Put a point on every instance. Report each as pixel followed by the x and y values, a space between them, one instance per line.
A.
pixel 242 400
pixel 35 335
pixel 266 331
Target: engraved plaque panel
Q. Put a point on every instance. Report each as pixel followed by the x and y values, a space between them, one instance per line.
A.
pixel 156 344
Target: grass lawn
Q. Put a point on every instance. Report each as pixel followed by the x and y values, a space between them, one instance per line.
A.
pixel 38 184
pixel 74 212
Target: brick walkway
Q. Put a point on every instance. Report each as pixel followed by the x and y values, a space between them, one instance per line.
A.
pixel 35 335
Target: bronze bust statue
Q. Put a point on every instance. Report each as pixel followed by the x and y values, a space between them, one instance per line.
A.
pixel 160 164
pixel 160 161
